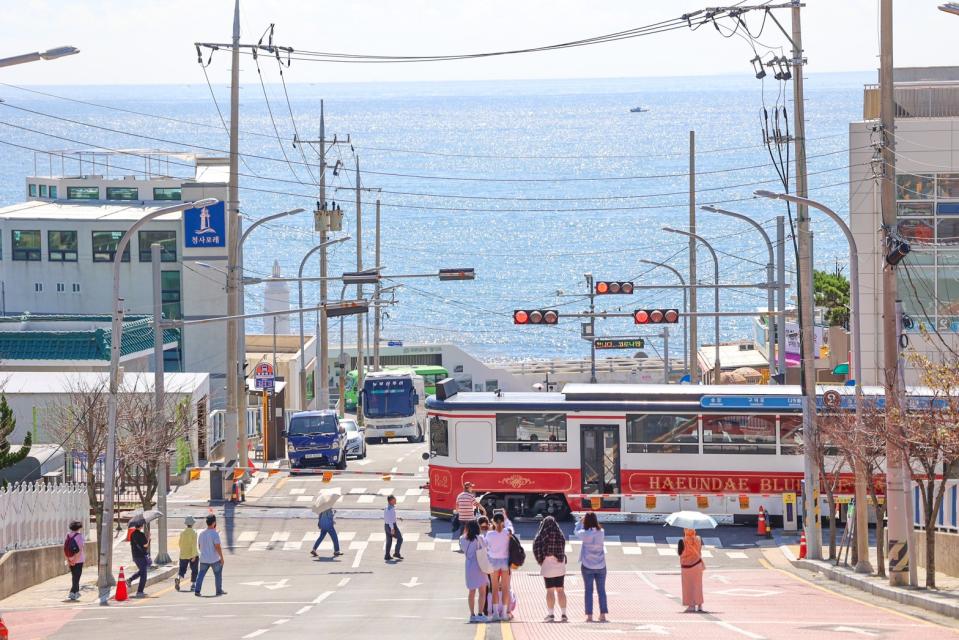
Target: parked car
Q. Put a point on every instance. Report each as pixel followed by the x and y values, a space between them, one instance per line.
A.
pixel 355 440
pixel 316 438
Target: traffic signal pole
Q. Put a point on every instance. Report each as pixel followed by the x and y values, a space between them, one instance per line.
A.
pixel 592 322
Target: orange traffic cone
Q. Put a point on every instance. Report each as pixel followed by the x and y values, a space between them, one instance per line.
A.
pixel 761 529
pixel 802 545
pixel 121 593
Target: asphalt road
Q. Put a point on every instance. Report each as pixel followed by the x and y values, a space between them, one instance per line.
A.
pixel 276 590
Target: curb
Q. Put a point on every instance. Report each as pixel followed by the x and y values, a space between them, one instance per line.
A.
pixel 907 596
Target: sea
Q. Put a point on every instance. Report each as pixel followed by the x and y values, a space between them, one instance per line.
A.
pixel 531 183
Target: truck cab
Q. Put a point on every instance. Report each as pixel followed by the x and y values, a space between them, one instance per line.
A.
pixel 316 439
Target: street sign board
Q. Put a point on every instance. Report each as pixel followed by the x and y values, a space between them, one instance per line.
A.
pixel 263 376
pixel 619 343
pixel 394 343
pixel 205 227
pixel 751 402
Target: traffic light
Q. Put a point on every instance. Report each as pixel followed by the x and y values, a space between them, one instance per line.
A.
pixel 535 316
pixel 656 316
pixel 613 287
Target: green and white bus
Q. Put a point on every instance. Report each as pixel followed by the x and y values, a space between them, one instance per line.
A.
pixel 431 375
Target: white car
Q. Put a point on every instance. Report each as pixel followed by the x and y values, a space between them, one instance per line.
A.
pixel 355 440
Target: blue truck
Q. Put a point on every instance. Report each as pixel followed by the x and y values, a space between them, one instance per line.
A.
pixel 316 439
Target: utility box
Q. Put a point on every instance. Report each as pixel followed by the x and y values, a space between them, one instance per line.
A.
pixel 216 481
pixel 790 512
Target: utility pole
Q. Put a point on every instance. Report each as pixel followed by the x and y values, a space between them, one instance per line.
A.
pixel 781 281
pixel 159 402
pixel 233 448
pixel 896 491
pixel 591 292
pixel 694 325
pixel 805 290
pixel 377 289
pixel 360 360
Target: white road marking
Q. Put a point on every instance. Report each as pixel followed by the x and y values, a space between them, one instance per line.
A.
pixel 732 627
pixel 377 536
pixel 646 541
pixel 414 582
pixel 258 546
pixel 632 551
pixel 280 536
pixel 346 535
pixel 706 553
pixel 386 491
pixel 394 469
pixel 423 499
pixel 297 492
pixel 672 541
pixel 356 490
pixel 400 499
pixel 303 610
pixel 666 552
pixel 359 545
pixel 713 542
pixel 414 492
pixel 304 498
pixel 247 536
pixel 323 596
pixel 425 546
pixel 410 537
pixel 653 629
pixel 293 546
pixel 257 633
pixel 613 541
pixel 855 630
pixel 310 535
pixel 736 555
pixel 365 499
pixel 343 582
pixel 281 621
pixel 359 556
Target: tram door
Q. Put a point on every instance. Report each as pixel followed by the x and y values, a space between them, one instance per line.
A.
pixel 600 462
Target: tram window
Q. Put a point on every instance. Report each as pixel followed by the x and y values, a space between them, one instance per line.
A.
pixel 439 436
pixel 531 432
pixel 662 433
pixel 739 434
pixel 790 435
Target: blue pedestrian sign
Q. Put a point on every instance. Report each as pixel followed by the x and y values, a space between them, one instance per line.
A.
pixel 394 343
pixel 751 402
pixel 205 227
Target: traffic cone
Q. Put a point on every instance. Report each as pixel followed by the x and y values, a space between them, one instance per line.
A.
pixel 761 529
pixel 121 593
pixel 802 545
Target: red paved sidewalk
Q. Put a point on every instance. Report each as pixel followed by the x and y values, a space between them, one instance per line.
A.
pixel 751 604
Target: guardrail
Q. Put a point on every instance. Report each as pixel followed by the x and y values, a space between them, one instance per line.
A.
pixel 216 427
pixel 36 515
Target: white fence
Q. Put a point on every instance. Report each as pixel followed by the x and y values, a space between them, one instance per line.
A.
pixel 36 515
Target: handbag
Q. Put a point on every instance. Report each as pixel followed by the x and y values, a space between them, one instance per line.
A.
pixel 455 523
pixel 482 558
pixel 552 567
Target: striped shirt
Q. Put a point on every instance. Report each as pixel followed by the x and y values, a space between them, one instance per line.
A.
pixel 466 506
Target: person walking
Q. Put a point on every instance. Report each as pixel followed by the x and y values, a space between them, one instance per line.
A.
pixel 211 556
pixel 691 565
pixel 476 579
pixel 497 545
pixel 189 554
pixel 592 558
pixel 140 550
pixel 73 549
pixel 549 548
pixel 392 530
pixel 466 507
pixel 327 525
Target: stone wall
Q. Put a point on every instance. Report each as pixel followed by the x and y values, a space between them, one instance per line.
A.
pixel 24 568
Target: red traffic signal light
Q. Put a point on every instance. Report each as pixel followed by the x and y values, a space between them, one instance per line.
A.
pixel 656 316
pixel 535 316
pixel 606 287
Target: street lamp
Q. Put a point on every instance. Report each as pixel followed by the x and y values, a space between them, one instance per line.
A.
pixel 685 308
pixel 770 278
pixel 116 335
pixel 49 54
pixel 717 376
pixel 862 523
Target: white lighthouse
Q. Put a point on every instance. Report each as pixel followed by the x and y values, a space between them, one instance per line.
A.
pixel 276 297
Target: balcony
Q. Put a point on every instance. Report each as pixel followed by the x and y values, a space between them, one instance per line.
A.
pixel 915 100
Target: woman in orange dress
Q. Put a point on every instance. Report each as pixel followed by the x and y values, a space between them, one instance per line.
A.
pixel 692 567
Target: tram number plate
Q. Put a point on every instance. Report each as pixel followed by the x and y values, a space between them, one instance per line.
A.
pixel 390 434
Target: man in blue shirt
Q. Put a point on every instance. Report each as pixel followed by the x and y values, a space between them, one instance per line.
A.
pixel 211 556
pixel 392 531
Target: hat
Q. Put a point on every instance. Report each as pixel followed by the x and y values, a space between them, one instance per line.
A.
pixel 188 521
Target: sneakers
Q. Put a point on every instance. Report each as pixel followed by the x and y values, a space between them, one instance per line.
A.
pixel 197 594
pixel 176 583
pixel 481 618
pixel 550 618
pixel 314 553
pixel 221 593
pixel 140 594
pixel 564 618
pixel 473 619
pixel 337 553
pixel 397 556
pixel 387 558
pixel 74 595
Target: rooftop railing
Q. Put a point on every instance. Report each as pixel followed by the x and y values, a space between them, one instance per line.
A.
pixel 915 100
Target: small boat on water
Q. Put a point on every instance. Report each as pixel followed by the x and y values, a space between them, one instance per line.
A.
pixel 638 110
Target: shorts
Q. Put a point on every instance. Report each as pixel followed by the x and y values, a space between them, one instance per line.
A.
pixel 499 564
pixel 554 583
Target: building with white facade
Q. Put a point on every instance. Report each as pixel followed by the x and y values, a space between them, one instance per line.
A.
pixel 927 192
pixel 57 250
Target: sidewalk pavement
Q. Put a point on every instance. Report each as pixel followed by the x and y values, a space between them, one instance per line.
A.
pixel 943 600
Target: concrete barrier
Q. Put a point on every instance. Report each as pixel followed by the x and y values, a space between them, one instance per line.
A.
pixel 24 568
pixel 947 551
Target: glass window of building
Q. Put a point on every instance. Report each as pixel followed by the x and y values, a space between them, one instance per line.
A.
pixel 170 295
pixel 83 193
pixel 26 245
pixel 166 193
pixel 123 193
pixel 105 246
pixel 43 191
pixel 542 432
pixel 32 189
pixel 53 192
pixel 62 246
pixel 739 434
pixel 915 187
pixel 662 433
pixel 166 238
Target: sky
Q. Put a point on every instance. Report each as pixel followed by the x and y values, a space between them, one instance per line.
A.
pixel 151 41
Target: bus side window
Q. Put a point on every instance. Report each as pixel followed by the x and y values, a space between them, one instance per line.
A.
pixel 439 436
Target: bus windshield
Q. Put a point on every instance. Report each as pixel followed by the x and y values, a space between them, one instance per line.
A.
pixel 388 398
pixel 312 425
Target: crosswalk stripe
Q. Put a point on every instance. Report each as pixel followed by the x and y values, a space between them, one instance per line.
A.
pixel 386 491
pixel 423 499
pixel 247 536
pixel 411 537
pixel 358 544
pixel 304 498
pixel 665 552
pixel 365 499
pixel 400 499
pixel 258 546
pixel 297 492
pixel 377 536
pixel 280 536
pixel 646 541
pixel 414 492
pixel 293 546
pixel 425 546
pixel 713 542
pixel 736 555
pixel 357 490
pixel 632 551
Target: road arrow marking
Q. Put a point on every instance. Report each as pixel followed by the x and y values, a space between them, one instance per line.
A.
pixel 272 586
pixel 414 582
pixel 653 629
pixel 719 578
pixel 855 630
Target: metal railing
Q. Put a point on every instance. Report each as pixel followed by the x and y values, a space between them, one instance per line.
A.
pixel 216 426
pixel 37 515
pixel 915 100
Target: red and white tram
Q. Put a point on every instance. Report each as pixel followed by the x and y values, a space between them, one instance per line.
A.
pixel 642 449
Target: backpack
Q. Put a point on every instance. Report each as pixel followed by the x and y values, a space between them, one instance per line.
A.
pixel 70 546
pixel 517 554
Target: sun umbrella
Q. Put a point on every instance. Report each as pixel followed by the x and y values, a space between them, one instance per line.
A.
pixel 141 517
pixel 691 520
pixel 324 501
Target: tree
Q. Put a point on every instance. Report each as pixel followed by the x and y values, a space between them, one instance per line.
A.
pixel 832 293
pixel 8 425
pixel 830 466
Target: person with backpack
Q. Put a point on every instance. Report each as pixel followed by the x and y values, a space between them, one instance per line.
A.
pixel 497 542
pixel 477 569
pixel 592 558
pixel 140 550
pixel 73 549
pixel 327 525
pixel 189 554
pixel 549 547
